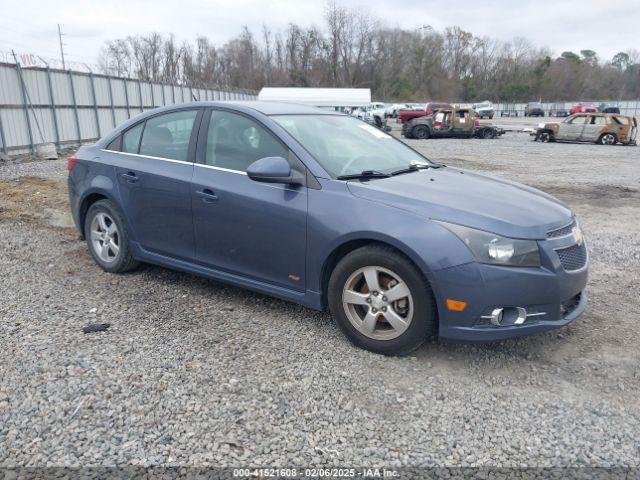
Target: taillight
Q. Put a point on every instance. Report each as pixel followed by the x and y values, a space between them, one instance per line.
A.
pixel 71 162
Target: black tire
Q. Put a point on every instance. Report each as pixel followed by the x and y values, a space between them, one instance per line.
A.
pixel 488 133
pixel 378 121
pixel 123 261
pixel 491 117
pixel 546 137
pixel 423 323
pixel 420 132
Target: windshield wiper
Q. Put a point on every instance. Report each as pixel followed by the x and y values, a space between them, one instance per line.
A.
pixel 414 167
pixel 364 174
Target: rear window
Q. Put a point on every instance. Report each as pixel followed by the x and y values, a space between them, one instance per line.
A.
pixel 131 139
pixel 168 135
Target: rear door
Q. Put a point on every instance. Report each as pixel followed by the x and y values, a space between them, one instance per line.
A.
pixel 153 171
pixel 571 129
pixel 595 126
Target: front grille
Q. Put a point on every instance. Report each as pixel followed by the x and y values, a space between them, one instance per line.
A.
pixel 561 232
pixel 573 257
pixel 570 305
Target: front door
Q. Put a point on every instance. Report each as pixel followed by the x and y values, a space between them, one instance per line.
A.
pixel 571 130
pixel 154 170
pixel 257 230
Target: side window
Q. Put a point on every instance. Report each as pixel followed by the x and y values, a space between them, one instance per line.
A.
pixel 598 121
pixel 131 139
pixel 581 120
pixel 167 136
pixel 114 144
pixel 235 142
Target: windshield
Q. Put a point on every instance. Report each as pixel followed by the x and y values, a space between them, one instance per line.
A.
pixel 346 146
pixel 483 105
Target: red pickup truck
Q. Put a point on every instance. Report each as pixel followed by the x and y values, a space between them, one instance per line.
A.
pixel 429 108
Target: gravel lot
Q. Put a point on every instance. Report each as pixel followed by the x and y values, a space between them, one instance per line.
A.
pixel 193 372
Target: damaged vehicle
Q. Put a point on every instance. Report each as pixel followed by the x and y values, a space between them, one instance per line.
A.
pixel 322 209
pixel 601 128
pixel 448 123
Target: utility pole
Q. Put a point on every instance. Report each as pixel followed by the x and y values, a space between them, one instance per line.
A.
pixel 61 47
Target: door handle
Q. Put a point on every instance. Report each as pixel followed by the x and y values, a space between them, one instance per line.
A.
pixel 130 177
pixel 208 196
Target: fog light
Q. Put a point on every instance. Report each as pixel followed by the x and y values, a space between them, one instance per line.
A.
pixel 496 316
pixel 509 316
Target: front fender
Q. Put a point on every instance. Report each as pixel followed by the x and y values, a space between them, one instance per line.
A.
pixel 334 222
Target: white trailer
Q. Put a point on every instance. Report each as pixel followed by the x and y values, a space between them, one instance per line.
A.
pixel 318 97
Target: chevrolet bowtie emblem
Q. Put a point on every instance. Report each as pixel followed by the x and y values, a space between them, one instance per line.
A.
pixel 577 235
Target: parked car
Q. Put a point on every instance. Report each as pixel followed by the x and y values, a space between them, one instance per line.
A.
pixel 580 108
pixel 484 109
pixel 609 109
pixel 558 110
pixel 429 108
pixel 322 209
pixel 602 128
pixel 533 109
pixel 392 111
pixel 377 115
pixel 509 111
pixel 449 122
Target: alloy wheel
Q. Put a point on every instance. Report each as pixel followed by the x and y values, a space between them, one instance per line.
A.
pixel 608 139
pixel 378 303
pixel 105 238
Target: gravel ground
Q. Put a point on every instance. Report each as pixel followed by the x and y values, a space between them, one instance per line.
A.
pixel 193 372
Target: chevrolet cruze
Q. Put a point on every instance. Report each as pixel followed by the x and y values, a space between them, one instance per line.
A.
pixel 322 209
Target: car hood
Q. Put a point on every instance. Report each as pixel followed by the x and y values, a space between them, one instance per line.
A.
pixel 471 199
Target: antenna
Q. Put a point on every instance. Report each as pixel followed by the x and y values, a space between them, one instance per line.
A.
pixel 61 47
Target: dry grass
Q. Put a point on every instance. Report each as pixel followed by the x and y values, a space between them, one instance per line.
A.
pixel 35 199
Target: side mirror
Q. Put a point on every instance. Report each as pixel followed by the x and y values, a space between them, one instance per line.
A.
pixel 274 170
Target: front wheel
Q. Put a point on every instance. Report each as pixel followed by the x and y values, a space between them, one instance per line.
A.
pixel 381 301
pixel 607 139
pixel 545 137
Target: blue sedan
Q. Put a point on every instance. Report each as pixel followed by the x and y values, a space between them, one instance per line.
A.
pixel 322 209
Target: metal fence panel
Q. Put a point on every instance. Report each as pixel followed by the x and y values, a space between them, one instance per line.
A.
pixel 39 105
pixel 10 93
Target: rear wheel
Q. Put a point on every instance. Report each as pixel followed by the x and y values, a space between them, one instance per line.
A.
pixel 381 301
pixel 421 132
pixel 108 238
pixel 488 133
pixel 607 139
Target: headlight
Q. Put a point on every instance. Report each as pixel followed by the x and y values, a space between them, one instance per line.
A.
pixel 496 250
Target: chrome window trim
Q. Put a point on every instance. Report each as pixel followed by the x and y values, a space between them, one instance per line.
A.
pixel 238 172
pixel 222 169
pixel 147 156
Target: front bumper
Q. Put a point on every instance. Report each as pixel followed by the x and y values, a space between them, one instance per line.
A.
pixel 552 295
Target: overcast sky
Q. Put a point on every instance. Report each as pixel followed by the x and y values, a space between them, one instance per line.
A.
pixel 29 26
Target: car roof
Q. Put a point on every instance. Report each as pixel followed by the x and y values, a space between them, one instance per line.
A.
pixel 274 108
